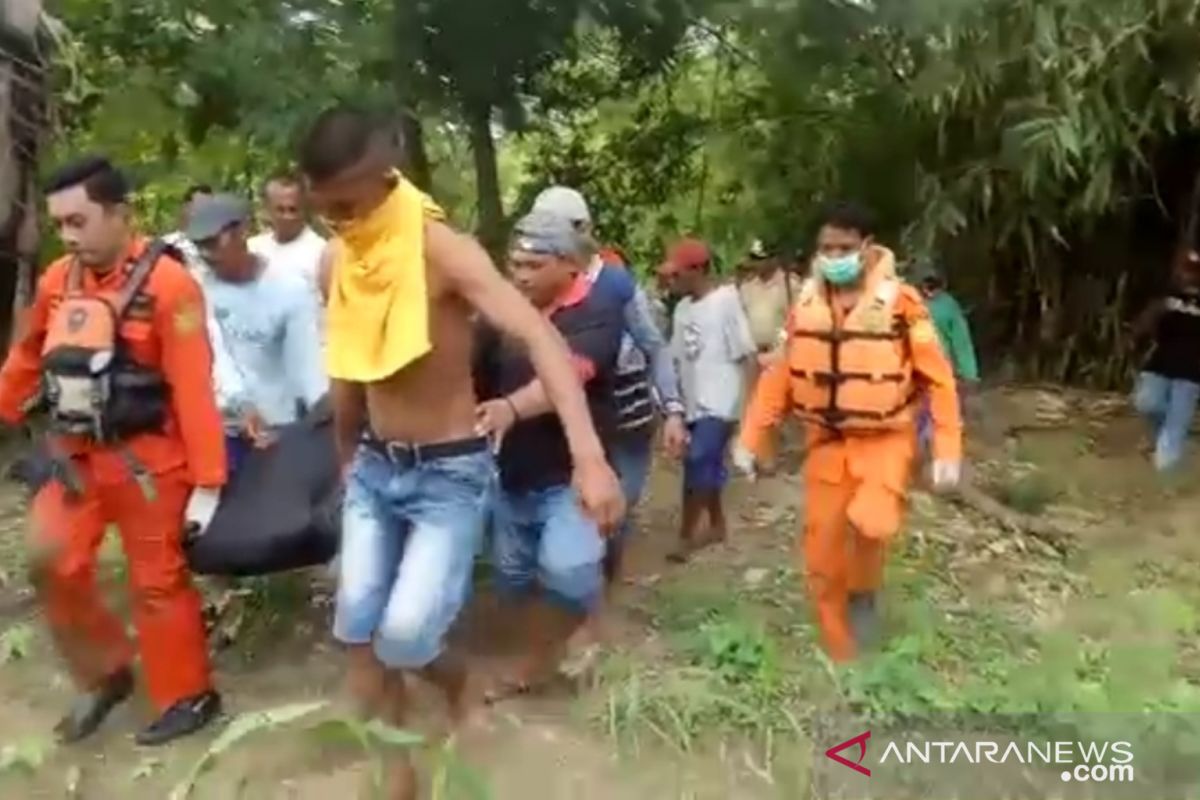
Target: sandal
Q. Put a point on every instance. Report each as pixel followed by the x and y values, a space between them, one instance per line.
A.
pixel 507 689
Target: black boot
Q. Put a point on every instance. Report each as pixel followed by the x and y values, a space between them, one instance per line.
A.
pixel 864 619
pixel 89 711
pixel 185 717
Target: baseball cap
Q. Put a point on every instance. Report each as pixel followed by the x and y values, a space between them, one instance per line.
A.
pixel 689 254
pixel 212 215
pixel 547 233
pixel 564 201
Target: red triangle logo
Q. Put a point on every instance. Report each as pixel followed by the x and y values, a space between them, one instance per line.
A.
pixel 860 740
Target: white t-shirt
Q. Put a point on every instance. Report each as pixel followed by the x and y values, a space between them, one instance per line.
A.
pixel 228 385
pixel 269 326
pixel 301 257
pixel 710 339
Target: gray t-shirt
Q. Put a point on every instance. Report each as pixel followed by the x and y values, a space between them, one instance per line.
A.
pixel 710 339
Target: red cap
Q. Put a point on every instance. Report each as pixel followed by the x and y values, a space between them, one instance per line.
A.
pixel 689 254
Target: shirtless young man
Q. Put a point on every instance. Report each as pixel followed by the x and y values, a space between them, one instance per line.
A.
pixel 419 479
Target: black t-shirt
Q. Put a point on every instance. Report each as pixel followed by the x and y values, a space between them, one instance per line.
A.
pixel 534 454
pixel 1176 352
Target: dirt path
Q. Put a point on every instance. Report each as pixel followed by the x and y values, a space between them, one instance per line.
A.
pixel 523 749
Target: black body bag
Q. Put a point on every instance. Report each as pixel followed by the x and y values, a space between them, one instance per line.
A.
pixel 283 508
pixel 281 511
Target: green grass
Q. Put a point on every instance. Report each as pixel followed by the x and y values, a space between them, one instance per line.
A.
pixel 738 666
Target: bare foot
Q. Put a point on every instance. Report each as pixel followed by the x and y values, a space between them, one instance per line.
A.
pixel 507 688
pixel 365 684
pixel 528 676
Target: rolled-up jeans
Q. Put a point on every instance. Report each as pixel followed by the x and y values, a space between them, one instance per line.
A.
pixel 1168 404
pixel 410 534
pixel 631 455
pixel 543 538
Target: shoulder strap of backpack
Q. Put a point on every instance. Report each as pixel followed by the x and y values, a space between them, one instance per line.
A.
pixel 138 276
pixel 74 283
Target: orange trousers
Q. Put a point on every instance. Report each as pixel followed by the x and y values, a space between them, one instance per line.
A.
pixel 854 506
pixel 67 533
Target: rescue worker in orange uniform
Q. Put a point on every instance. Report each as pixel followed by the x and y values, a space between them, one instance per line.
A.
pixel 860 354
pixel 117 355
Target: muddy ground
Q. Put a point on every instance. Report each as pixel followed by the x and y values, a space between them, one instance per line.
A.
pixel 711 686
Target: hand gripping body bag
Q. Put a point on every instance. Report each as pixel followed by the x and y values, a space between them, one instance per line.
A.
pixel 282 508
pixel 281 511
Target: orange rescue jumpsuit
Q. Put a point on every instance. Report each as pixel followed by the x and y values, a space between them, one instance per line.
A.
pixel 855 478
pixel 164 329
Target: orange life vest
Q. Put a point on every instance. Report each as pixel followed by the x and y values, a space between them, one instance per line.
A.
pixel 91 385
pixel 854 375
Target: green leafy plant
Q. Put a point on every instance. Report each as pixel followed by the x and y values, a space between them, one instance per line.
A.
pixel 737 652
pixel 451 778
pixel 241 727
pixel 15 643
pixel 25 756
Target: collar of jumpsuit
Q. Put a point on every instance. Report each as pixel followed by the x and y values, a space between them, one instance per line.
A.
pixel 112 277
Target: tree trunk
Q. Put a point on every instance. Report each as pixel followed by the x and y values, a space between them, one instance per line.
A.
pixel 23 120
pixel 487 178
pixel 414 160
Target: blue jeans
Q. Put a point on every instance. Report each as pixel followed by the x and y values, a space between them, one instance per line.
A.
pixel 630 455
pixel 410 535
pixel 1168 405
pixel 237 447
pixel 543 537
pixel 704 465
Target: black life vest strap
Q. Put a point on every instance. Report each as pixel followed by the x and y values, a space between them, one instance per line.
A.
pixel 831 378
pixel 835 417
pixel 138 276
pixel 898 332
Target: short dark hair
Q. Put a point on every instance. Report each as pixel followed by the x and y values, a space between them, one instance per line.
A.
pixel 848 216
pixel 195 189
pixel 104 183
pixel 339 138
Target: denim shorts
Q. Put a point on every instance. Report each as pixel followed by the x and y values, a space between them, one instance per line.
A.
pixel 237 447
pixel 543 538
pixel 410 534
pixel 631 455
pixel 704 466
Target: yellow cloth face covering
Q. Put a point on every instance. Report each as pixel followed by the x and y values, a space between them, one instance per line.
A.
pixel 378 314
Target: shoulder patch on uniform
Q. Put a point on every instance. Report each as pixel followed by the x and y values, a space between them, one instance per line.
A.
pixel 888 290
pixel 188 318
pixel 922 331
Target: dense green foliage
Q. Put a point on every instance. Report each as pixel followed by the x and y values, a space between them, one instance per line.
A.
pixel 1043 149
